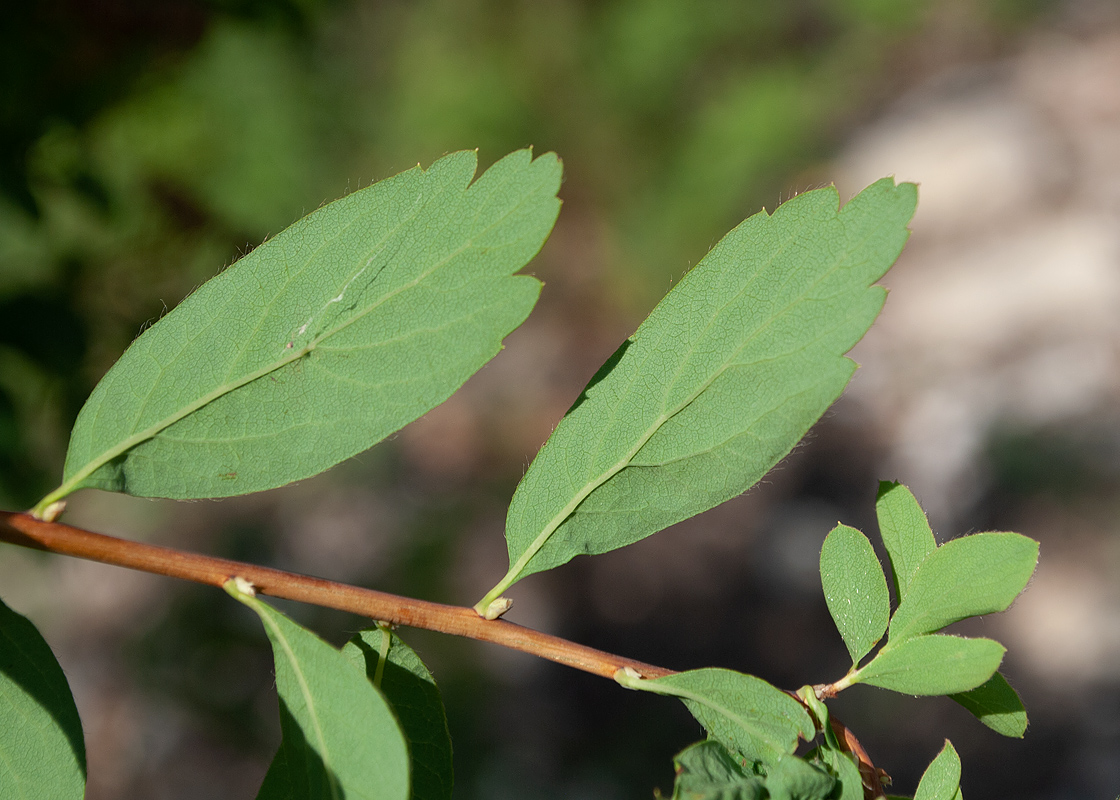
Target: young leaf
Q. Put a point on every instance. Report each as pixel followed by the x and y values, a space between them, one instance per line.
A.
pixel 744 713
pixel 997 705
pixel 707 771
pixel 42 749
pixel 905 531
pixel 414 697
pixel 719 383
pixel 932 665
pixel 854 589
pixel 966 577
pixel 942 778
pixel 324 340
pixel 340 736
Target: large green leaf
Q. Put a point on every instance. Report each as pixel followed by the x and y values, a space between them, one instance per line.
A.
pixel 744 713
pixel 42 750
pixel 966 577
pixel 341 739
pixel 414 697
pixel 854 589
pixel 349 324
pixel 905 531
pixel 932 665
pixel 720 382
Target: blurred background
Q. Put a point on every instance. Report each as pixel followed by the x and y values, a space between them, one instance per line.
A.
pixel 145 146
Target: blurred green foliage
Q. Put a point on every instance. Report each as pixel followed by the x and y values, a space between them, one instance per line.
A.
pixel 147 148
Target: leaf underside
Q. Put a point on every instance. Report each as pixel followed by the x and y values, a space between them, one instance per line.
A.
pixel 997 705
pixel 340 737
pixel 855 589
pixel 942 778
pixel 346 326
pixel 744 713
pixel 933 665
pixel 42 748
pixel 720 382
pixel 415 699
pixel 905 531
pixel 708 771
pixel 966 577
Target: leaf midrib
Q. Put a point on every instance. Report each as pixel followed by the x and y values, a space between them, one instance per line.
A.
pixel 553 524
pixel 755 731
pixel 546 533
pixel 305 690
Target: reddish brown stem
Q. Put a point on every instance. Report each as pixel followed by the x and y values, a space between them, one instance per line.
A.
pixel 55 537
pixel 25 530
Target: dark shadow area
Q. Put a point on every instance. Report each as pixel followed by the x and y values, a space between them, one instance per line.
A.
pixel 297 770
pixel 601 373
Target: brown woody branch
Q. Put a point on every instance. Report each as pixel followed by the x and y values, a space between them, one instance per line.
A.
pixel 55 537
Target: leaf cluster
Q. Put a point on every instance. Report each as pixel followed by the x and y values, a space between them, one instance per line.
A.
pixel 935 586
pixel 372 310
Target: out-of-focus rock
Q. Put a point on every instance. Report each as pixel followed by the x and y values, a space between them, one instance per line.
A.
pixel 1004 306
pixel 1005 313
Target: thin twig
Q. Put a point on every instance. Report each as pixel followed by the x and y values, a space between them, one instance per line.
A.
pixel 55 537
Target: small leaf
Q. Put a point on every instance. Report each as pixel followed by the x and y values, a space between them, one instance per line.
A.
pixel 931 665
pixel 997 705
pixel 415 699
pixel 978 574
pixel 796 779
pixel 42 749
pixel 942 777
pixel 340 736
pixel 854 589
pixel 707 771
pixel 725 376
pixel 324 340
pixel 743 712
pixel 905 531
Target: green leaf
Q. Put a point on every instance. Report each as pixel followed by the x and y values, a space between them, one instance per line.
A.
pixel 324 340
pixel 415 699
pixel 978 574
pixel 795 779
pixel 997 705
pixel 905 531
pixel 707 771
pixel 854 589
pixel 942 778
pixel 277 784
pixel 42 749
pixel 341 739
pixel 847 772
pixel 720 382
pixel 744 713
pixel 931 665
